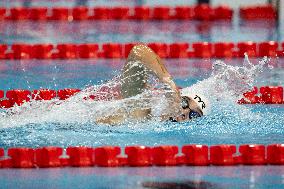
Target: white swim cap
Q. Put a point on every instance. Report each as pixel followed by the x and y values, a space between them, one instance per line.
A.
pixel 200 99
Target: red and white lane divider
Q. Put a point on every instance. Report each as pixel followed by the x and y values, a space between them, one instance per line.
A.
pixel 164 50
pixel 199 12
pixel 258 12
pixel 268 95
pixel 141 156
pixel 20 96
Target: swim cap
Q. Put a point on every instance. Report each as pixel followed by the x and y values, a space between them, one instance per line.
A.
pixel 200 99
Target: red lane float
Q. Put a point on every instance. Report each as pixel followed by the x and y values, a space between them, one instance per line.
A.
pixel 196 155
pixel 112 50
pixel 66 93
pixel 223 155
pixel 88 50
pixel 59 13
pixel 165 155
pixel 101 13
pixel 42 51
pixel 80 156
pixel 19 13
pixel 141 156
pixel 48 156
pixel 1 93
pixel 22 157
pixel 43 94
pixel 2 13
pixel 64 162
pixel 22 51
pixel 252 154
pixel 141 13
pixel 183 13
pixel 6 103
pixel 107 156
pixel 223 50
pixel 38 13
pixel 1 152
pixel 223 12
pixel 138 156
pixel 250 96
pixel 178 50
pixel 203 12
pixel 247 47
pixel 268 95
pixel 120 13
pixel 202 49
pixel 268 49
pixel 271 94
pixel 275 154
pixel 258 12
pixel 161 13
pixel 5 163
pixel 118 50
pixel 67 51
pixel 18 96
pixel 3 49
pixel 80 13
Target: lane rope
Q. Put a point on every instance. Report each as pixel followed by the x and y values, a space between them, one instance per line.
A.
pixel 121 50
pixel 199 12
pixel 203 12
pixel 142 156
pixel 261 95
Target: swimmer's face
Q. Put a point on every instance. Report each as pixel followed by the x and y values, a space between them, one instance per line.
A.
pixel 190 110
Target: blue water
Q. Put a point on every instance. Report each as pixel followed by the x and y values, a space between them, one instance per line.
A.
pixel 213 177
pixel 129 31
pixel 228 122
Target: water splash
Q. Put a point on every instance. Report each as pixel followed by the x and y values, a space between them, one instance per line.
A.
pixel 223 87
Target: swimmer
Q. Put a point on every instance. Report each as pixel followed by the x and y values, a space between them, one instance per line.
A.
pixel 141 62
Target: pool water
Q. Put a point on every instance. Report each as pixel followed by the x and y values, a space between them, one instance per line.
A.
pixel 229 123
pixel 162 177
pixel 129 31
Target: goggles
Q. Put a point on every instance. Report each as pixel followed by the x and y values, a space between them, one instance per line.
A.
pixel 185 105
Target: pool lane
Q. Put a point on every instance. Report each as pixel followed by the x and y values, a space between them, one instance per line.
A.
pixel 58 74
pixel 262 177
pixel 129 31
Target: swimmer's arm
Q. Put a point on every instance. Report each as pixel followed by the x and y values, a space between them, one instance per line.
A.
pixel 111 120
pixel 121 116
pixel 154 63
